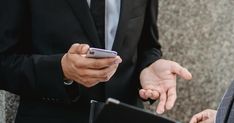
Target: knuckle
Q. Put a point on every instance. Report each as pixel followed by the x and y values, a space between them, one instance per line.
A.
pixel 104 74
pixel 96 64
pixel 106 78
pixel 85 81
pixel 86 45
pixel 77 64
pixel 82 74
pixel 68 56
pixel 110 61
pixel 75 45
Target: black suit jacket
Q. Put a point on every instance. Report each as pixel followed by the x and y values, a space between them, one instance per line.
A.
pixel 35 34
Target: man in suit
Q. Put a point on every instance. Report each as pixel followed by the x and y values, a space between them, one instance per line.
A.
pixel 42 56
pixel 225 113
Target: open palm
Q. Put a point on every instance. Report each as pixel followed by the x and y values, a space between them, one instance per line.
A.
pixel 158 81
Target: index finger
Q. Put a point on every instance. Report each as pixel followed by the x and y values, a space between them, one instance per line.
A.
pixel 79 48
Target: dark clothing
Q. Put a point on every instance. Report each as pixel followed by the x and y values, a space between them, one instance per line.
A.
pixel 35 34
pixel 225 112
pixel 97 11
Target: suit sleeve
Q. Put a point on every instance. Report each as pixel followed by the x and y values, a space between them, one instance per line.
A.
pixel 149 47
pixel 23 72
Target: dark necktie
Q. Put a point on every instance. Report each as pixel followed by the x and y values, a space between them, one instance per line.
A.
pixel 97 9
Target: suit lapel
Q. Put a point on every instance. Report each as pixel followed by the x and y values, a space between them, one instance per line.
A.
pixel 123 21
pixel 81 11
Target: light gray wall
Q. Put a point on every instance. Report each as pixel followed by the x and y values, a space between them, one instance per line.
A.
pixel 199 35
pixel 2 107
pixel 8 107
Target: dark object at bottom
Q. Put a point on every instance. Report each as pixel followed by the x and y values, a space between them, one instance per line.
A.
pixel 113 111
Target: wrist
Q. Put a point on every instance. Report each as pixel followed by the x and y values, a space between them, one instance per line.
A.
pixel 67 80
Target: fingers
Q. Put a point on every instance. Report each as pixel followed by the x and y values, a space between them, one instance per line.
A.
pixel 73 48
pixel 89 78
pixel 100 63
pixel 142 94
pixel 197 118
pixel 194 119
pixel 91 63
pixel 87 71
pixel 83 49
pixel 152 94
pixel 166 100
pixel 89 82
pixel 162 103
pixel 79 49
pixel 179 70
pixel 171 98
pixel 149 94
pixel 202 116
pixel 105 73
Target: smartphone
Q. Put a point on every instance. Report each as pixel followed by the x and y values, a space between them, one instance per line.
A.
pixel 101 53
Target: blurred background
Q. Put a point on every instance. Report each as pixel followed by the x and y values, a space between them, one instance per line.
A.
pixel 199 35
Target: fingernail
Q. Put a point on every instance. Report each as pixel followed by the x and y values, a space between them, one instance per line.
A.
pixel 189 76
pixel 160 112
pixel 169 107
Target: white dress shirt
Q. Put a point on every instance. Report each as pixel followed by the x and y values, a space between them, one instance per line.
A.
pixel 112 13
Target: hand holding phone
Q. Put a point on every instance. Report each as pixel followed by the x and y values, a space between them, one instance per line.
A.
pixel 89 71
pixel 101 53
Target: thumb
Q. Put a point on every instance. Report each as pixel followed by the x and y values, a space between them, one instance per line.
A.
pixel 180 71
pixel 79 49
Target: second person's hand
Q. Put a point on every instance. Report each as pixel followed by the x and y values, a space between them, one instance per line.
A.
pixel 206 116
pixel 87 71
